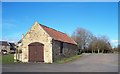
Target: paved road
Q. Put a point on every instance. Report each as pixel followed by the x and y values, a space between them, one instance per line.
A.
pixel 87 63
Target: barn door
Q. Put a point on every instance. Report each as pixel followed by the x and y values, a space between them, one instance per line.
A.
pixel 36 53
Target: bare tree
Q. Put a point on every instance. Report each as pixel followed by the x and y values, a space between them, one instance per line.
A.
pixel 87 42
pixel 93 45
pixel 100 44
pixel 116 49
pixel 83 38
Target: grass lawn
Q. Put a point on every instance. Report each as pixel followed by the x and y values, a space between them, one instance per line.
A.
pixel 65 60
pixel 7 59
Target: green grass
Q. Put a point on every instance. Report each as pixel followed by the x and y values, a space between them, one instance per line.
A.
pixel 7 59
pixel 65 60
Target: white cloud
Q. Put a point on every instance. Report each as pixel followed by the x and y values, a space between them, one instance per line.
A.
pixel 11 36
pixel 7 24
pixel 10 40
pixel 114 41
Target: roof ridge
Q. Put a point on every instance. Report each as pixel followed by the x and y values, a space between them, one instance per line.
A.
pixel 62 37
pixel 52 28
pixel 55 34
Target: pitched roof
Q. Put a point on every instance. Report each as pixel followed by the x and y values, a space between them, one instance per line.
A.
pixel 5 43
pixel 57 35
pixel 12 44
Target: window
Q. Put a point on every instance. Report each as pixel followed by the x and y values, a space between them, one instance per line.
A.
pixel 61 47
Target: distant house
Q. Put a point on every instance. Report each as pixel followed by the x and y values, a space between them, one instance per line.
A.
pixel 7 47
pixel 44 44
pixel 4 46
pixel 12 47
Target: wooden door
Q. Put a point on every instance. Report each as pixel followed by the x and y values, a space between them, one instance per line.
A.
pixel 36 52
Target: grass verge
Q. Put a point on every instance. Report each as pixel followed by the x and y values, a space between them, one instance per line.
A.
pixel 66 60
pixel 7 59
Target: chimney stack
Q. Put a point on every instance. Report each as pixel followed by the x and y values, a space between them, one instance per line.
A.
pixel 22 36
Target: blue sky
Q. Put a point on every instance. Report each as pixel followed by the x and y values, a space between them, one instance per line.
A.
pixel 97 17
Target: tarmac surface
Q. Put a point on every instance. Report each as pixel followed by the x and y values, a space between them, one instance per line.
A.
pixel 86 63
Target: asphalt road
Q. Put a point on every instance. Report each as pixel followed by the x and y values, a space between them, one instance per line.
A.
pixel 86 63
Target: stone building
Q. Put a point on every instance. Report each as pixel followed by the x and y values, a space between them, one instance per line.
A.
pixel 44 44
pixel 4 45
pixel 7 46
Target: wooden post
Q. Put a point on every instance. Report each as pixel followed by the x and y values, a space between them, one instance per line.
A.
pixel 16 54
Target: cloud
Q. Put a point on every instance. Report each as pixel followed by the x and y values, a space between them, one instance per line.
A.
pixel 9 31
pixel 114 41
pixel 10 40
pixel 13 36
pixel 9 24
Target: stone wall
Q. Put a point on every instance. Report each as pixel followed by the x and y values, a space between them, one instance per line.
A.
pixel 37 34
pixel 68 50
